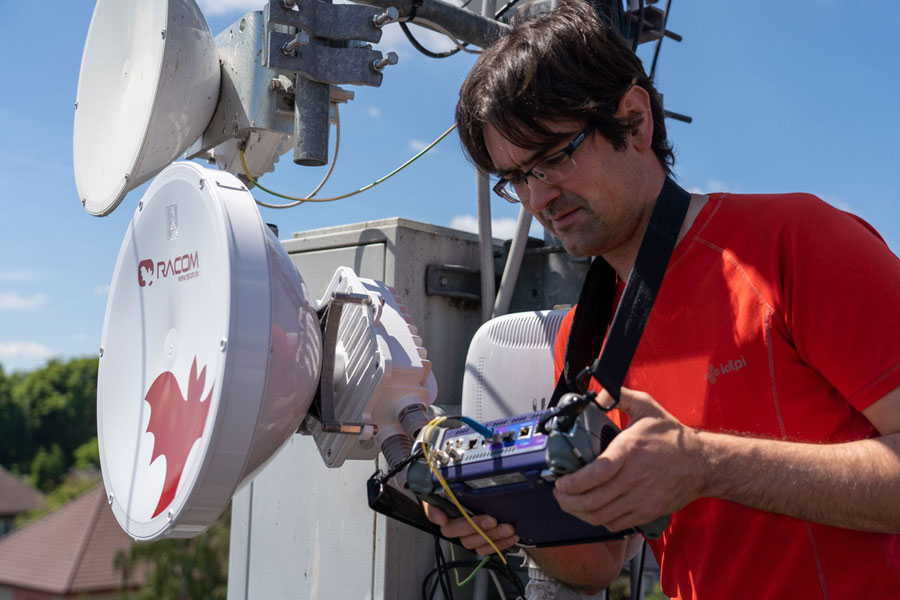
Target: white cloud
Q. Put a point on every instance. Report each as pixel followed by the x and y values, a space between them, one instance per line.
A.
pixel 24 351
pixel 837 203
pixel 221 7
pixel 101 290
pixel 17 275
pixel 14 301
pixel 503 228
pixel 374 112
pixel 712 186
pixel 419 145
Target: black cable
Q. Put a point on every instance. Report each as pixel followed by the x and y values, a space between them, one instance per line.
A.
pixel 514 578
pixel 640 27
pixel 443 574
pixel 492 565
pixel 505 8
pixel 429 53
pixel 640 573
pixel 659 41
pixel 400 466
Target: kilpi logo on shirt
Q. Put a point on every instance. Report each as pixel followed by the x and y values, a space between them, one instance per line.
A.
pixel 732 366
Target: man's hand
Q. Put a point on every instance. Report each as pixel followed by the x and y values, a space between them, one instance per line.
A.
pixel 652 468
pixel 503 535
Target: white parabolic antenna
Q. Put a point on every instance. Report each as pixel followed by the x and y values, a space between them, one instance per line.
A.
pixel 148 86
pixel 210 354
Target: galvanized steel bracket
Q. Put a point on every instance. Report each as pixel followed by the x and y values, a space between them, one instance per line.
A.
pixel 325 64
pixel 330 21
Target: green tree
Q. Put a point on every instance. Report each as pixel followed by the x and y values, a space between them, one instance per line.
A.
pixel 48 468
pixel 58 406
pixel 192 569
pixel 15 438
pixel 87 455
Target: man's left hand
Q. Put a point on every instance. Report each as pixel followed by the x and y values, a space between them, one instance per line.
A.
pixel 654 467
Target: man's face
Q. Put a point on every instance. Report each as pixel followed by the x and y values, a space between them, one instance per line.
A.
pixel 593 211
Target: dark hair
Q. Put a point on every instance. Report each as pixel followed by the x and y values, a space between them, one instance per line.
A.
pixel 563 65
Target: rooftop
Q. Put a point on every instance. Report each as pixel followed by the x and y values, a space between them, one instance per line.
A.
pixel 16 497
pixel 68 551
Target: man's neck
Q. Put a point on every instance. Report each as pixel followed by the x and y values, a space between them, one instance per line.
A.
pixel 622 258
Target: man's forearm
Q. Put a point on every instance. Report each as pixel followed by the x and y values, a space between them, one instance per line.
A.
pixel 854 485
pixel 586 568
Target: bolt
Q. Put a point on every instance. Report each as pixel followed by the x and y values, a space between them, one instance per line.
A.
pixel 390 15
pixel 444 281
pixel 222 344
pixel 110 498
pixel 290 48
pixel 76 106
pixel 171 515
pixel 127 175
pixel 163 34
pixel 141 205
pixel 202 183
pixel 390 59
pixel 101 351
pixel 84 201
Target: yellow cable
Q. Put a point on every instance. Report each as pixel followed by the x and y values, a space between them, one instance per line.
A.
pixel 341 197
pixel 426 440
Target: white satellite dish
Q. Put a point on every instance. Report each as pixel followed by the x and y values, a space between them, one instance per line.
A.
pixel 210 357
pixel 212 352
pixel 147 89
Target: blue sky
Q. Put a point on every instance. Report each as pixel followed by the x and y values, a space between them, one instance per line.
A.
pixel 785 96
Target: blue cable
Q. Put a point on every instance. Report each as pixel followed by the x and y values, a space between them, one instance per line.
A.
pixel 484 430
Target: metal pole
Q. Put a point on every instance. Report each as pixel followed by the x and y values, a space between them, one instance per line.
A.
pixel 310 122
pixel 486 241
pixel 513 263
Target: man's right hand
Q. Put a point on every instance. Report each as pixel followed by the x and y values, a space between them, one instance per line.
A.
pixel 503 535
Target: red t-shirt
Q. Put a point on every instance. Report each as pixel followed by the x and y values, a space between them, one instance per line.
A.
pixel 779 316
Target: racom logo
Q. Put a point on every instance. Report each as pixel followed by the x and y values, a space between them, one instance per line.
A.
pixel 183 268
pixel 145 268
pixel 176 423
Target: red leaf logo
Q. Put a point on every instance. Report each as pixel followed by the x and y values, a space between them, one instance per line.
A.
pixel 176 423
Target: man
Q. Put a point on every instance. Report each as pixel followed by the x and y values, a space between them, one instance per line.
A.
pixel 764 397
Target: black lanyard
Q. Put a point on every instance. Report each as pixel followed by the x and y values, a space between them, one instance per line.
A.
pixel 596 300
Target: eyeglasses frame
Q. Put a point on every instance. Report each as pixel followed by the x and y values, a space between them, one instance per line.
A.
pixel 569 150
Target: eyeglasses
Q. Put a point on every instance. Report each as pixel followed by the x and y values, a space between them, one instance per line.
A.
pixel 551 169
